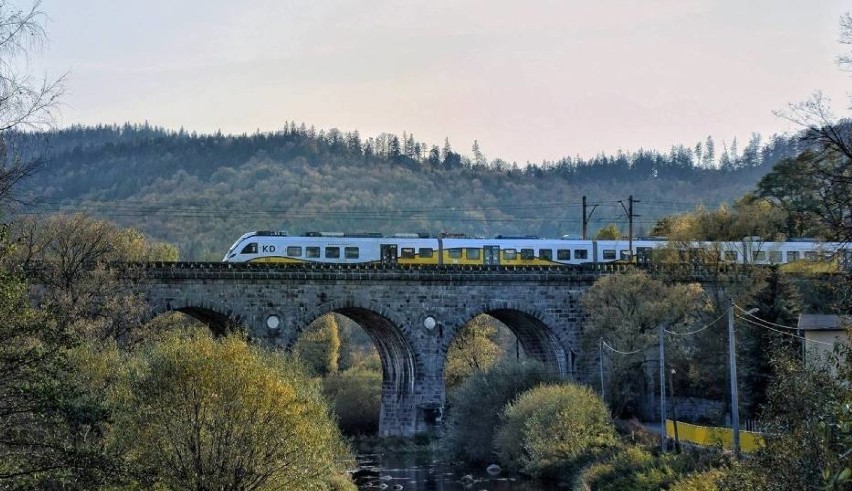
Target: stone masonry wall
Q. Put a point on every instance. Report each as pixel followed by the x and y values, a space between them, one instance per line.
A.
pixel 542 309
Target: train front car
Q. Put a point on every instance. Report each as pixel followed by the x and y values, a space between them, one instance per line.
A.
pixel 323 248
pixel 334 248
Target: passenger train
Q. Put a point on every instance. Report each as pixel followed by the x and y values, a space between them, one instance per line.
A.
pixel 454 249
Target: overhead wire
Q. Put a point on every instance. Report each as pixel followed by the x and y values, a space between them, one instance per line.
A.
pixel 764 321
pixel 553 211
pixel 622 352
pixel 141 208
pixel 135 208
pixel 783 332
pixel 697 330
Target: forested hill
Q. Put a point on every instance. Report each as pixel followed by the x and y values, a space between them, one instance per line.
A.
pixel 202 191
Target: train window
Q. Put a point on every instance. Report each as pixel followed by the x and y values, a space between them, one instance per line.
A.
pixel 294 251
pixel 759 255
pixel 472 253
pixel 581 254
pixel 250 249
pixel 625 254
pixel 775 257
pixel 407 252
pixel 510 254
pixel 609 254
pixel 811 255
pixel 563 254
pixel 527 254
pixel 454 253
pixel 312 252
pixel 332 252
pixel 351 252
pixel 792 256
pixel 731 256
pixel 546 254
pixel 426 252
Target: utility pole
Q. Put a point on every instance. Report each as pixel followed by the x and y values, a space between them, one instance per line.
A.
pixel 662 390
pixel 732 367
pixel 600 357
pixel 586 217
pixel 674 409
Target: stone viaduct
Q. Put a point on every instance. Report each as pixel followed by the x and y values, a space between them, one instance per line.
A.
pixel 412 315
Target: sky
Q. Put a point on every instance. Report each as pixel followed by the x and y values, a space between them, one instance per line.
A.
pixel 531 81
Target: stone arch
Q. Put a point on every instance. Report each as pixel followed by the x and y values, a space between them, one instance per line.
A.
pixel 401 363
pixel 219 319
pixel 533 329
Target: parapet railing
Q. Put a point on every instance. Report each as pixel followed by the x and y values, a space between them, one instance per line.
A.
pixel 583 272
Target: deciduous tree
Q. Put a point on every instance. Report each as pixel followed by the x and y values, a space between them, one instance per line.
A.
pixel 50 428
pixel 472 350
pixel 610 232
pixel 627 311
pixel 206 414
pixel 25 103
pixel 827 163
pixel 808 429
pixel 74 260
pixel 319 345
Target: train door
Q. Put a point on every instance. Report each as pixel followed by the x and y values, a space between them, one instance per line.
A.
pixel 492 255
pixel 389 253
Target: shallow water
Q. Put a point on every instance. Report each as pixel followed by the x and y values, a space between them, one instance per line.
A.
pixel 418 472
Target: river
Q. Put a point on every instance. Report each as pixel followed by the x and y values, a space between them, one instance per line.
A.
pixel 423 472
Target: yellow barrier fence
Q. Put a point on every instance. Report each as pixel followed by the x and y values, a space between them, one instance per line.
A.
pixel 709 435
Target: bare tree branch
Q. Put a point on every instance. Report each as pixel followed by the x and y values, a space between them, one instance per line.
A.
pixel 25 102
pixel 845 60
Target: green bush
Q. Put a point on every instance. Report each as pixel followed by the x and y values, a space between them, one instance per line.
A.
pixel 642 469
pixel 474 408
pixel 319 346
pixel 192 412
pixel 356 395
pixel 700 481
pixel 552 430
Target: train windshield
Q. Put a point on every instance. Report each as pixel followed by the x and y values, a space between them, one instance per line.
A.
pixel 237 243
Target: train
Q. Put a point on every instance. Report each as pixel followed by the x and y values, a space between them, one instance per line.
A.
pixel 518 251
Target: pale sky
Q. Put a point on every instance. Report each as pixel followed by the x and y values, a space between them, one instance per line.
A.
pixel 531 80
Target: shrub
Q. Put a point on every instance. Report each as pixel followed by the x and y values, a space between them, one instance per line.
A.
pixel 198 413
pixel 319 346
pixel 356 395
pixel 700 481
pixel 638 468
pixel 552 430
pixel 474 408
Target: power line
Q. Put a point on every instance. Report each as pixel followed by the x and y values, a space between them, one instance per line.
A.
pixel 783 332
pixel 697 330
pixel 622 352
pixel 766 322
